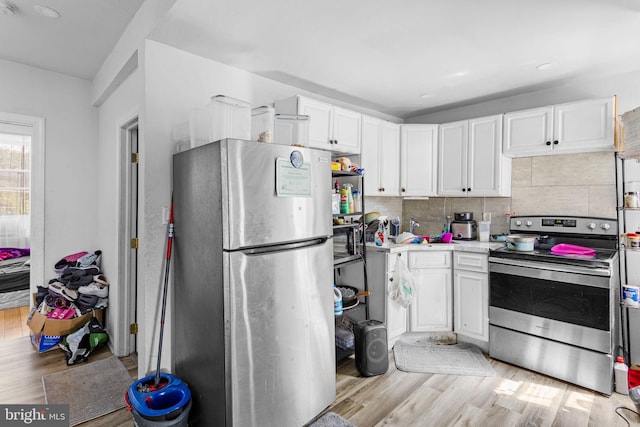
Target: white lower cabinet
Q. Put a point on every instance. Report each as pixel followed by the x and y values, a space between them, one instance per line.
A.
pixel 380 271
pixel 471 290
pixel 431 309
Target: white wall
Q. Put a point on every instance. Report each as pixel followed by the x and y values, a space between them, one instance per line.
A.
pixel 71 157
pixel 626 86
pixel 175 82
pixel 117 110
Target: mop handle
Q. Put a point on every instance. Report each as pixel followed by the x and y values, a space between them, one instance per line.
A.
pixel 164 292
pixel 170 234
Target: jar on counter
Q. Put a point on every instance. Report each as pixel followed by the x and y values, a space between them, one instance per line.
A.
pixel 633 240
pixel 631 199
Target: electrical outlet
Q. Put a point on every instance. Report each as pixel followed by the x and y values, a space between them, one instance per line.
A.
pixel 165 215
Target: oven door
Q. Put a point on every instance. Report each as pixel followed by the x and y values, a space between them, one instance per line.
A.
pixel 568 304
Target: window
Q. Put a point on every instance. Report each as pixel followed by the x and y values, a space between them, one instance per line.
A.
pixel 15 184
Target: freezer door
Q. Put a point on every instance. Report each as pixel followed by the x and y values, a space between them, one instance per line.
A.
pixel 274 193
pixel 280 339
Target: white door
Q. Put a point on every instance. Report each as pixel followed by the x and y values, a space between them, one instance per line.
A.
pixel 389 163
pixel 346 131
pixel 319 123
pixel 418 160
pixel 431 309
pixel 370 155
pixel 471 305
pixel 484 156
pixel 452 165
pixel 584 126
pixel 529 132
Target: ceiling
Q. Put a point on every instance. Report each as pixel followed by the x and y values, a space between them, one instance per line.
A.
pixel 399 58
pixel 76 43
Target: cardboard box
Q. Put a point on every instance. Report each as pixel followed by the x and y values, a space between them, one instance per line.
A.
pixel 46 333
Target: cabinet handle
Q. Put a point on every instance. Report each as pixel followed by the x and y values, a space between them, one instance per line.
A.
pixel 555 142
pixel 469 189
pixel 335 141
pixel 382 189
pixel 548 142
pixel 403 189
pixel 464 189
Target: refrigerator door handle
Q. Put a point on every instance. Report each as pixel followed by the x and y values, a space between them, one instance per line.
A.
pixel 259 250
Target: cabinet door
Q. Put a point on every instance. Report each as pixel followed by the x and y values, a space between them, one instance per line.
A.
pixel 485 161
pixel 346 131
pixel 395 314
pixel 584 126
pixel 452 165
pixel 471 290
pixel 431 309
pixel 370 156
pixel 526 133
pixel 320 123
pixel 390 159
pixel 418 160
pixel 380 157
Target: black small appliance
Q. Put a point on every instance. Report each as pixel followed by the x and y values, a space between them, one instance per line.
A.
pixel 371 353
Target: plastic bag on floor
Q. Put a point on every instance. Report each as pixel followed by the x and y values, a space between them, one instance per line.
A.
pixel 78 345
pixel 401 288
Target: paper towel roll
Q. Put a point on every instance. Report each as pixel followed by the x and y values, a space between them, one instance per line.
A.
pixel 630 296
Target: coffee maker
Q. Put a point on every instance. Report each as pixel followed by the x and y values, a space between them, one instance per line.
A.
pixel 464 227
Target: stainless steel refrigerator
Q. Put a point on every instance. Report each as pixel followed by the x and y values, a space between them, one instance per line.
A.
pixel 253 328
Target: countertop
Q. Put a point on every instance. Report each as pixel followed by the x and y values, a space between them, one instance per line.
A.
pixel 456 245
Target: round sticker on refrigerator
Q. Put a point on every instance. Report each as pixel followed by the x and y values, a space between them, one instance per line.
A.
pixel 296 158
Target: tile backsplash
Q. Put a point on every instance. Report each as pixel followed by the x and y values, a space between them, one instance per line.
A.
pixel 567 184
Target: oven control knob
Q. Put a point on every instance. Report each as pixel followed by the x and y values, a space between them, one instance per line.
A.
pixel 605 226
pixel 529 223
pixel 591 226
pixel 518 223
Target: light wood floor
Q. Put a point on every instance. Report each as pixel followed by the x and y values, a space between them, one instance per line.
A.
pixel 514 397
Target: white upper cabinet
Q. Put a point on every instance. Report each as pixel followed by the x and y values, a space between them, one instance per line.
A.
pixel 418 160
pixel 380 157
pixel 575 127
pixel 330 127
pixel 470 160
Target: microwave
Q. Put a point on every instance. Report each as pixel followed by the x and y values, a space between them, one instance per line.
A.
pixel 346 243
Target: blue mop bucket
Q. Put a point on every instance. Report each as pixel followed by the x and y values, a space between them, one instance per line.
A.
pixel 170 401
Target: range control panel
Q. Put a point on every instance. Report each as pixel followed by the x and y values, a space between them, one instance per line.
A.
pixel 548 222
pixel 564 224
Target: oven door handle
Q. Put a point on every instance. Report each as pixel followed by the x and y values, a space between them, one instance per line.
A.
pixel 564 268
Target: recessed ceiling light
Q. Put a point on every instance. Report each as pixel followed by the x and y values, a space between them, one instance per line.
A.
pixel 7 8
pixel 47 11
pixel 544 66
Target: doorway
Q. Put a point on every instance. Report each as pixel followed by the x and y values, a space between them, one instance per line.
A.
pixel 128 247
pixel 23 178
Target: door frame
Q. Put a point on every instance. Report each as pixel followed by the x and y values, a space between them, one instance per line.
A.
pixel 37 189
pixel 127 267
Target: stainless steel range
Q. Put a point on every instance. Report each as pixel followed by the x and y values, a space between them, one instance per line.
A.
pixel 554 310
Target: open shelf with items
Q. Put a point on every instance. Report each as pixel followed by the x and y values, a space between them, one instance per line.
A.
pixel 628 181
pixel 349 261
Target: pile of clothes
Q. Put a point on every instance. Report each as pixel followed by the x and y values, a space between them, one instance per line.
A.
pixel 78 288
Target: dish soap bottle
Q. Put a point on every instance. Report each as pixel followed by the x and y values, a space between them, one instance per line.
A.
pixel 379 237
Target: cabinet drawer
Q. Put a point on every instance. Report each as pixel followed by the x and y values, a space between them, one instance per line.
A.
pixel 420 259
pixel 471 261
